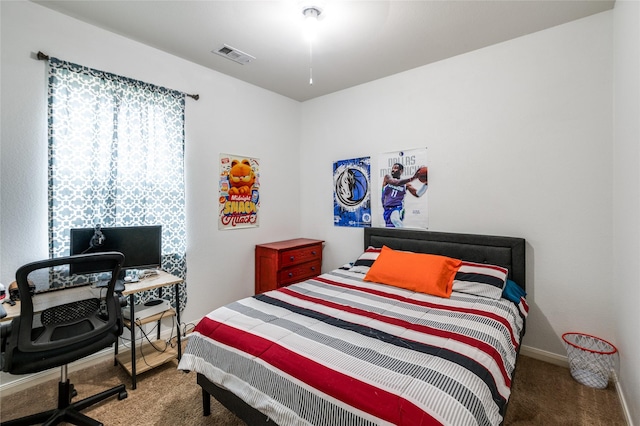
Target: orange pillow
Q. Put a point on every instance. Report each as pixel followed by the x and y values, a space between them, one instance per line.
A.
pixel 424 273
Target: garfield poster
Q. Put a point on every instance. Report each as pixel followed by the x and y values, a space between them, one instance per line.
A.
pixel 239 192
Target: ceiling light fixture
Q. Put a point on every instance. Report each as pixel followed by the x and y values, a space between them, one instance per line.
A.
pixel 311 15
pixel 310 32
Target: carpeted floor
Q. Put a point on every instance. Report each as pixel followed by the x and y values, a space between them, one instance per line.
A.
pixel 543 394
pixel 546 394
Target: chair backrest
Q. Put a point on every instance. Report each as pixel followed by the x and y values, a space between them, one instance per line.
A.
pixel 72 329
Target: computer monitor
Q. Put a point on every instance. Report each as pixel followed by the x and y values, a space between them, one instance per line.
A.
pixel 141 246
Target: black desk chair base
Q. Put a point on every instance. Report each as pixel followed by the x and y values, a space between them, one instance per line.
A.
pixel 68 411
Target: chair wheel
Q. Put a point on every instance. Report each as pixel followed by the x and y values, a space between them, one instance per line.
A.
pixel 122 395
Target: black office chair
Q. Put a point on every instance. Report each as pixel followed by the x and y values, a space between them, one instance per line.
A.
pixel 64 333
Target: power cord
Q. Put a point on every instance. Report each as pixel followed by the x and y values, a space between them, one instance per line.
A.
pixel 187 328
pixel 152 343
pixel 126 342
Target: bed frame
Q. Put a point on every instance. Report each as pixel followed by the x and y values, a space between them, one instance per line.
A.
pixel 508 252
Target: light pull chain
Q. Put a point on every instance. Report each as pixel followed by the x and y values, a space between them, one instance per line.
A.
pixel 310 63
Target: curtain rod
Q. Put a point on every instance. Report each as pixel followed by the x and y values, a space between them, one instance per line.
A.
pixel 43 57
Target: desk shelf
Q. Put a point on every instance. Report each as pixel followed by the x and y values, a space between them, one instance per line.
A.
pixel 136 360
pixel 157 317
pixel 147 357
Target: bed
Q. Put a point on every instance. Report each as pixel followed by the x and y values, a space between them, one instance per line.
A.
pixel 342 349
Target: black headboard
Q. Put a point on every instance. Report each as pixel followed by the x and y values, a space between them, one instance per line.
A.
pixel 508 252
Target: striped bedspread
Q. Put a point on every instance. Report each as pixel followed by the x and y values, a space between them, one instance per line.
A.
pixel 335 350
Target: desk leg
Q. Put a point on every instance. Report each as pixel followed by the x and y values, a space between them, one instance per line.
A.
pixel 177 294
pixel 133 341
pixel 160 320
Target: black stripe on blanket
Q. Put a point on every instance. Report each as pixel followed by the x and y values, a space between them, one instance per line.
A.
pixel 468 363
pixel 480 278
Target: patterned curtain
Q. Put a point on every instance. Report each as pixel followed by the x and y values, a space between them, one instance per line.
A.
pixel 116 158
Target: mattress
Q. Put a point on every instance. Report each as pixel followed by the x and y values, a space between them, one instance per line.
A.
pixel 337 350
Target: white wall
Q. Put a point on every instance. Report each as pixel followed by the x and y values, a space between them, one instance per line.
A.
pixel 231 117
pixel 519 139
pixel 626 198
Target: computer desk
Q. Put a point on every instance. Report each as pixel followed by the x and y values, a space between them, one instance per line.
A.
pixel 128 359
pixel 49 299
pixel 148 354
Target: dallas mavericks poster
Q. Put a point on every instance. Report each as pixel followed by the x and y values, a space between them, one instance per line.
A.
pixel 401 184
pixel 352 193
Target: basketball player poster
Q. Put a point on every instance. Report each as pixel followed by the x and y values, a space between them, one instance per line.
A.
pixel 352 192
pixel 239 192
pixel 400 190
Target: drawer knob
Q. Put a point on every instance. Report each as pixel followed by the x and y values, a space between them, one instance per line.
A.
pixel 313 252
pixel 291 258
pixel 290 274
pixel 313 268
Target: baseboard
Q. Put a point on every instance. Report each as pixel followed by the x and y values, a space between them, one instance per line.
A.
pixel 623 401
pixel 545 356
pixel 11 384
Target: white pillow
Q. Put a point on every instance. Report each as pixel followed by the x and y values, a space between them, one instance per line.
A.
pixel 365 260
pixel 480 279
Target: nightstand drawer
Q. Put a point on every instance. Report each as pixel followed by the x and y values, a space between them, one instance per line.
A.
pixel 301 255
pixel 299 273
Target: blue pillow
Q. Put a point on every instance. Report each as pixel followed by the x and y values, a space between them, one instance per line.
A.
pixel 513 292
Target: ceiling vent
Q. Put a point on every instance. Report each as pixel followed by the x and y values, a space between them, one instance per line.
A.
pixel 234 54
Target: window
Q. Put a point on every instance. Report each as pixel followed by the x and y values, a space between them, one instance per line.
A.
pixel 116 158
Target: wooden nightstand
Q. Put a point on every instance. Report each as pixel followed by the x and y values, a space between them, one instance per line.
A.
pixel 286 262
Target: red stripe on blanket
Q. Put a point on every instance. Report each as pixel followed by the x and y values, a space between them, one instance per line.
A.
pixel 485 265
pixel 363 396
pixel 478 312
pixel 524 307
pixel 467 340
